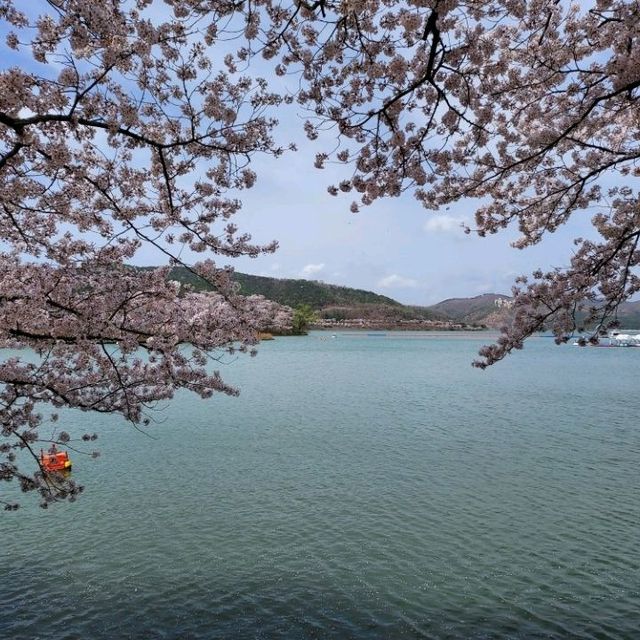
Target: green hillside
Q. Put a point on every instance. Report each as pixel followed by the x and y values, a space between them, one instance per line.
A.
pixel 292 292
pixel 316 294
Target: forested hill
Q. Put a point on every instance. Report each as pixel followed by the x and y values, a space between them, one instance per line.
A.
pixel 311 292
pixel 292 292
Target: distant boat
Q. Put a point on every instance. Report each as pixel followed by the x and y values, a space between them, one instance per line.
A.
pixel 624 340
pixel 55 461
pixel 613 340
pixel 377 335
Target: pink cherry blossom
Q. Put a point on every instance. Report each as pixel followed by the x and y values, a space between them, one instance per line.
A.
pixel 134 124
pixel 121 132
pixel 530 106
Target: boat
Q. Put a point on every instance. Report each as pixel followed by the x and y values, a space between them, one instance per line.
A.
pixel 55 461
pixel 614 339
pixel 617 339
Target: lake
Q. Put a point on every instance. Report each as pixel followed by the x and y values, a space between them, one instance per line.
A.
pixel 360 487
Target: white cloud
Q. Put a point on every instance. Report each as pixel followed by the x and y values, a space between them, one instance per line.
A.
pixel 438 223
pixel 394 280
pixel 312 269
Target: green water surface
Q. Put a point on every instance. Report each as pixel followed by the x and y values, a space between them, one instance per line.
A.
pixel 360 487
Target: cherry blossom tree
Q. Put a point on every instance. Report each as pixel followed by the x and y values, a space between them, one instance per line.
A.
pixel 117 131
pixel 528 107
pixel 132 123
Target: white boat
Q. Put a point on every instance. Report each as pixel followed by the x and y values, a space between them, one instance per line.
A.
pixel 614 339
pixel 624 339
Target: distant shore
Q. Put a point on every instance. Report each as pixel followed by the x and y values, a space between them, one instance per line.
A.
pixel 393 325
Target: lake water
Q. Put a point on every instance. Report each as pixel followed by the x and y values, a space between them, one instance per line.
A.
pixel 360 487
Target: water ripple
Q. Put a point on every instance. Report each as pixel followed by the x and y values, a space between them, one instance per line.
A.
pixel 357 489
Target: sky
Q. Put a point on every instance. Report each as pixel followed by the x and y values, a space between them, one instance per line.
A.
pixel 394 247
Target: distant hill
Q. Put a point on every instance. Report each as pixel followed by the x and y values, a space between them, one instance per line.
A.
pixel 317 294
pixel 629 315
pixel 293 292
pixel 490 309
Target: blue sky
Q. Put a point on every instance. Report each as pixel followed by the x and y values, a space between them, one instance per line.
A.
pixel 394 247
